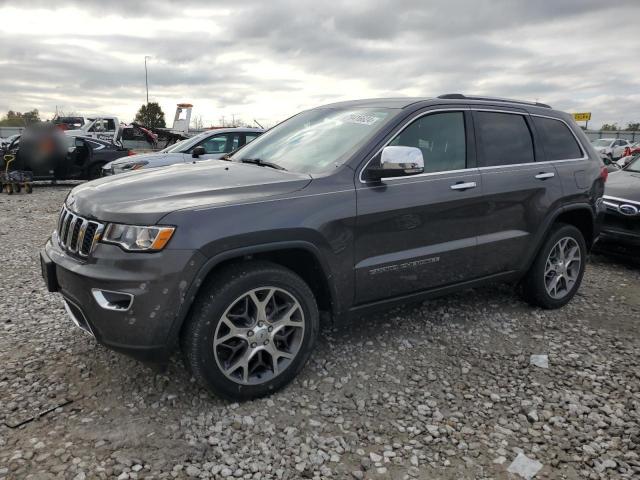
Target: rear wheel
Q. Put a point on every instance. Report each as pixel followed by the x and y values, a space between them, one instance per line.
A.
pixel 556 273
pixel 251 331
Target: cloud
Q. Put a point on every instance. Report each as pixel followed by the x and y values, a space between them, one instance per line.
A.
pixel 267 60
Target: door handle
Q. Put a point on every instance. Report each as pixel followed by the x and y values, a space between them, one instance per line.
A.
pixel 545 175
pixel 463 185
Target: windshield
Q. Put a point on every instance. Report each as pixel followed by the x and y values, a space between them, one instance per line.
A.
pixel 317 140
pixel 176 147
pixel 602 142
pixel 634 165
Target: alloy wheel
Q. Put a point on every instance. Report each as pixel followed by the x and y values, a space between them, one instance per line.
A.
pixel 562 267
pixel 259 335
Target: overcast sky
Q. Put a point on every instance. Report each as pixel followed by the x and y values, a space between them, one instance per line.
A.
pixel 269 59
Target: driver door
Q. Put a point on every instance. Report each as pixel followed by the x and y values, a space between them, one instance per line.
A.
pixel 418 232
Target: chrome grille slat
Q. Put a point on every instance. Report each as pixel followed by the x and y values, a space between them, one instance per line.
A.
pixel 61 218
pixel 72 225
pixel 65 227
pixel 80 240
pixel 78 235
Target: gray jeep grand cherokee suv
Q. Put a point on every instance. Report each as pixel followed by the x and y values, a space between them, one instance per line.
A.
pixel 341 209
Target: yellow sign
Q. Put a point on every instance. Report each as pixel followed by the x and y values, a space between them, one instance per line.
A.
pixel 582 117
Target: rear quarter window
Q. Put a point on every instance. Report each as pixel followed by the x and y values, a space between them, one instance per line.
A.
pixel 557 140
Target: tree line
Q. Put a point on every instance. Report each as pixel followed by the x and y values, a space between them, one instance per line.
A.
pixel 149 115
pixel 613 127
pixel 17 119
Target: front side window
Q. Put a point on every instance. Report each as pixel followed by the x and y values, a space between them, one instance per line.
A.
pixel 318 140
pixel 504 139
pixel 441 139
pixel 217 144
pixel 557 140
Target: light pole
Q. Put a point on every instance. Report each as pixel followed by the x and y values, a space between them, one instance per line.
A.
pixel 146 76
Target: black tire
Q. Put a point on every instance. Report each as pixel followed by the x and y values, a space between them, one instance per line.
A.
pixel 218 295
pixel 95 171
pixel 17 188
pixel 534 289
pixel 28 188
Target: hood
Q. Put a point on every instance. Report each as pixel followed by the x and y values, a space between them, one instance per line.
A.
pixel 76 133
pixel 623 184
pixel 143 197
pixel 149 157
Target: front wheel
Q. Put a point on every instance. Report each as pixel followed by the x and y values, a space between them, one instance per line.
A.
pixel 556 273
pixel 251 330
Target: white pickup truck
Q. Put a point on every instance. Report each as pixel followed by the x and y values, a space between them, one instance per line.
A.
pixel 100 127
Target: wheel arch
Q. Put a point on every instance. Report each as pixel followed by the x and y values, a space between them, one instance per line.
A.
pixel 580 215
pixel 301 257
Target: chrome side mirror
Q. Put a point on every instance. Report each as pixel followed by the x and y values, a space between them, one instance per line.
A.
pixel 397 162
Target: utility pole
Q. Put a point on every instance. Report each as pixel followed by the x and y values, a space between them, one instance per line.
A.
pixel 146 76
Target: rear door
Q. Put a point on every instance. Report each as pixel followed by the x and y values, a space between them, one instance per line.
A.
pixel 520 188
pixel 418 232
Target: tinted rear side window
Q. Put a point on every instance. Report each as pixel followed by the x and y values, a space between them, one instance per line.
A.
pixel 557 140
pixel 504 139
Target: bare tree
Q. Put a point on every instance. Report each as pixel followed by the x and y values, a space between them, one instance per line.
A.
pixel 198 124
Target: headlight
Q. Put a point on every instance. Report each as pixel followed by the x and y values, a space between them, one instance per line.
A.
pixel 138 239
pixel 129 166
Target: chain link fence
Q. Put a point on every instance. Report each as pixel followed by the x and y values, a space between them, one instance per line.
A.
pixel 8 131
pixel 623 134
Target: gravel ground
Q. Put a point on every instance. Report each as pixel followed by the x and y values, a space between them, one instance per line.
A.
pixel 439 390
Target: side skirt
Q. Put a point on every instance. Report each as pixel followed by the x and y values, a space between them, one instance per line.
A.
pixel 388 303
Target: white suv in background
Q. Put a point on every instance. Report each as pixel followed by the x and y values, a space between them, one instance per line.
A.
pixel 208 145
pixel 610 147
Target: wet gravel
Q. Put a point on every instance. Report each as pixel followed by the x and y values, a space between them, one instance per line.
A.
pixel 445 389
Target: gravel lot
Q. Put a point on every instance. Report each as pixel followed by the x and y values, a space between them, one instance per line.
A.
pixel 439 390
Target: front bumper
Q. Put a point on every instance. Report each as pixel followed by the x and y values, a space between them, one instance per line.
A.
pixel 158 282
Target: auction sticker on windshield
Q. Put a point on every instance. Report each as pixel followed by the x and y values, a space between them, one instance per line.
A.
pixel 361 118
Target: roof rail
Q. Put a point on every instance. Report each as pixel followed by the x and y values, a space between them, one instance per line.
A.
pixel 460 96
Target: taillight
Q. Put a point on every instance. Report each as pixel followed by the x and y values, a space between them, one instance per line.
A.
pixel 604 174
pixel 130 153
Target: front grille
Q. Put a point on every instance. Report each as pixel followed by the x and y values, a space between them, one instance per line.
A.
pixel 78 235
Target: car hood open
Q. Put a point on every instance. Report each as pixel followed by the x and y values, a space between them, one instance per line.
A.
pixel 623 184
pixel 144 197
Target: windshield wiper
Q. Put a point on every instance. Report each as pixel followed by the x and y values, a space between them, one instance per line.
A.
pixel 262 163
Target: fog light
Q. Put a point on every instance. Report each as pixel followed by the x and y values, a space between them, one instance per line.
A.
pixel 110 300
